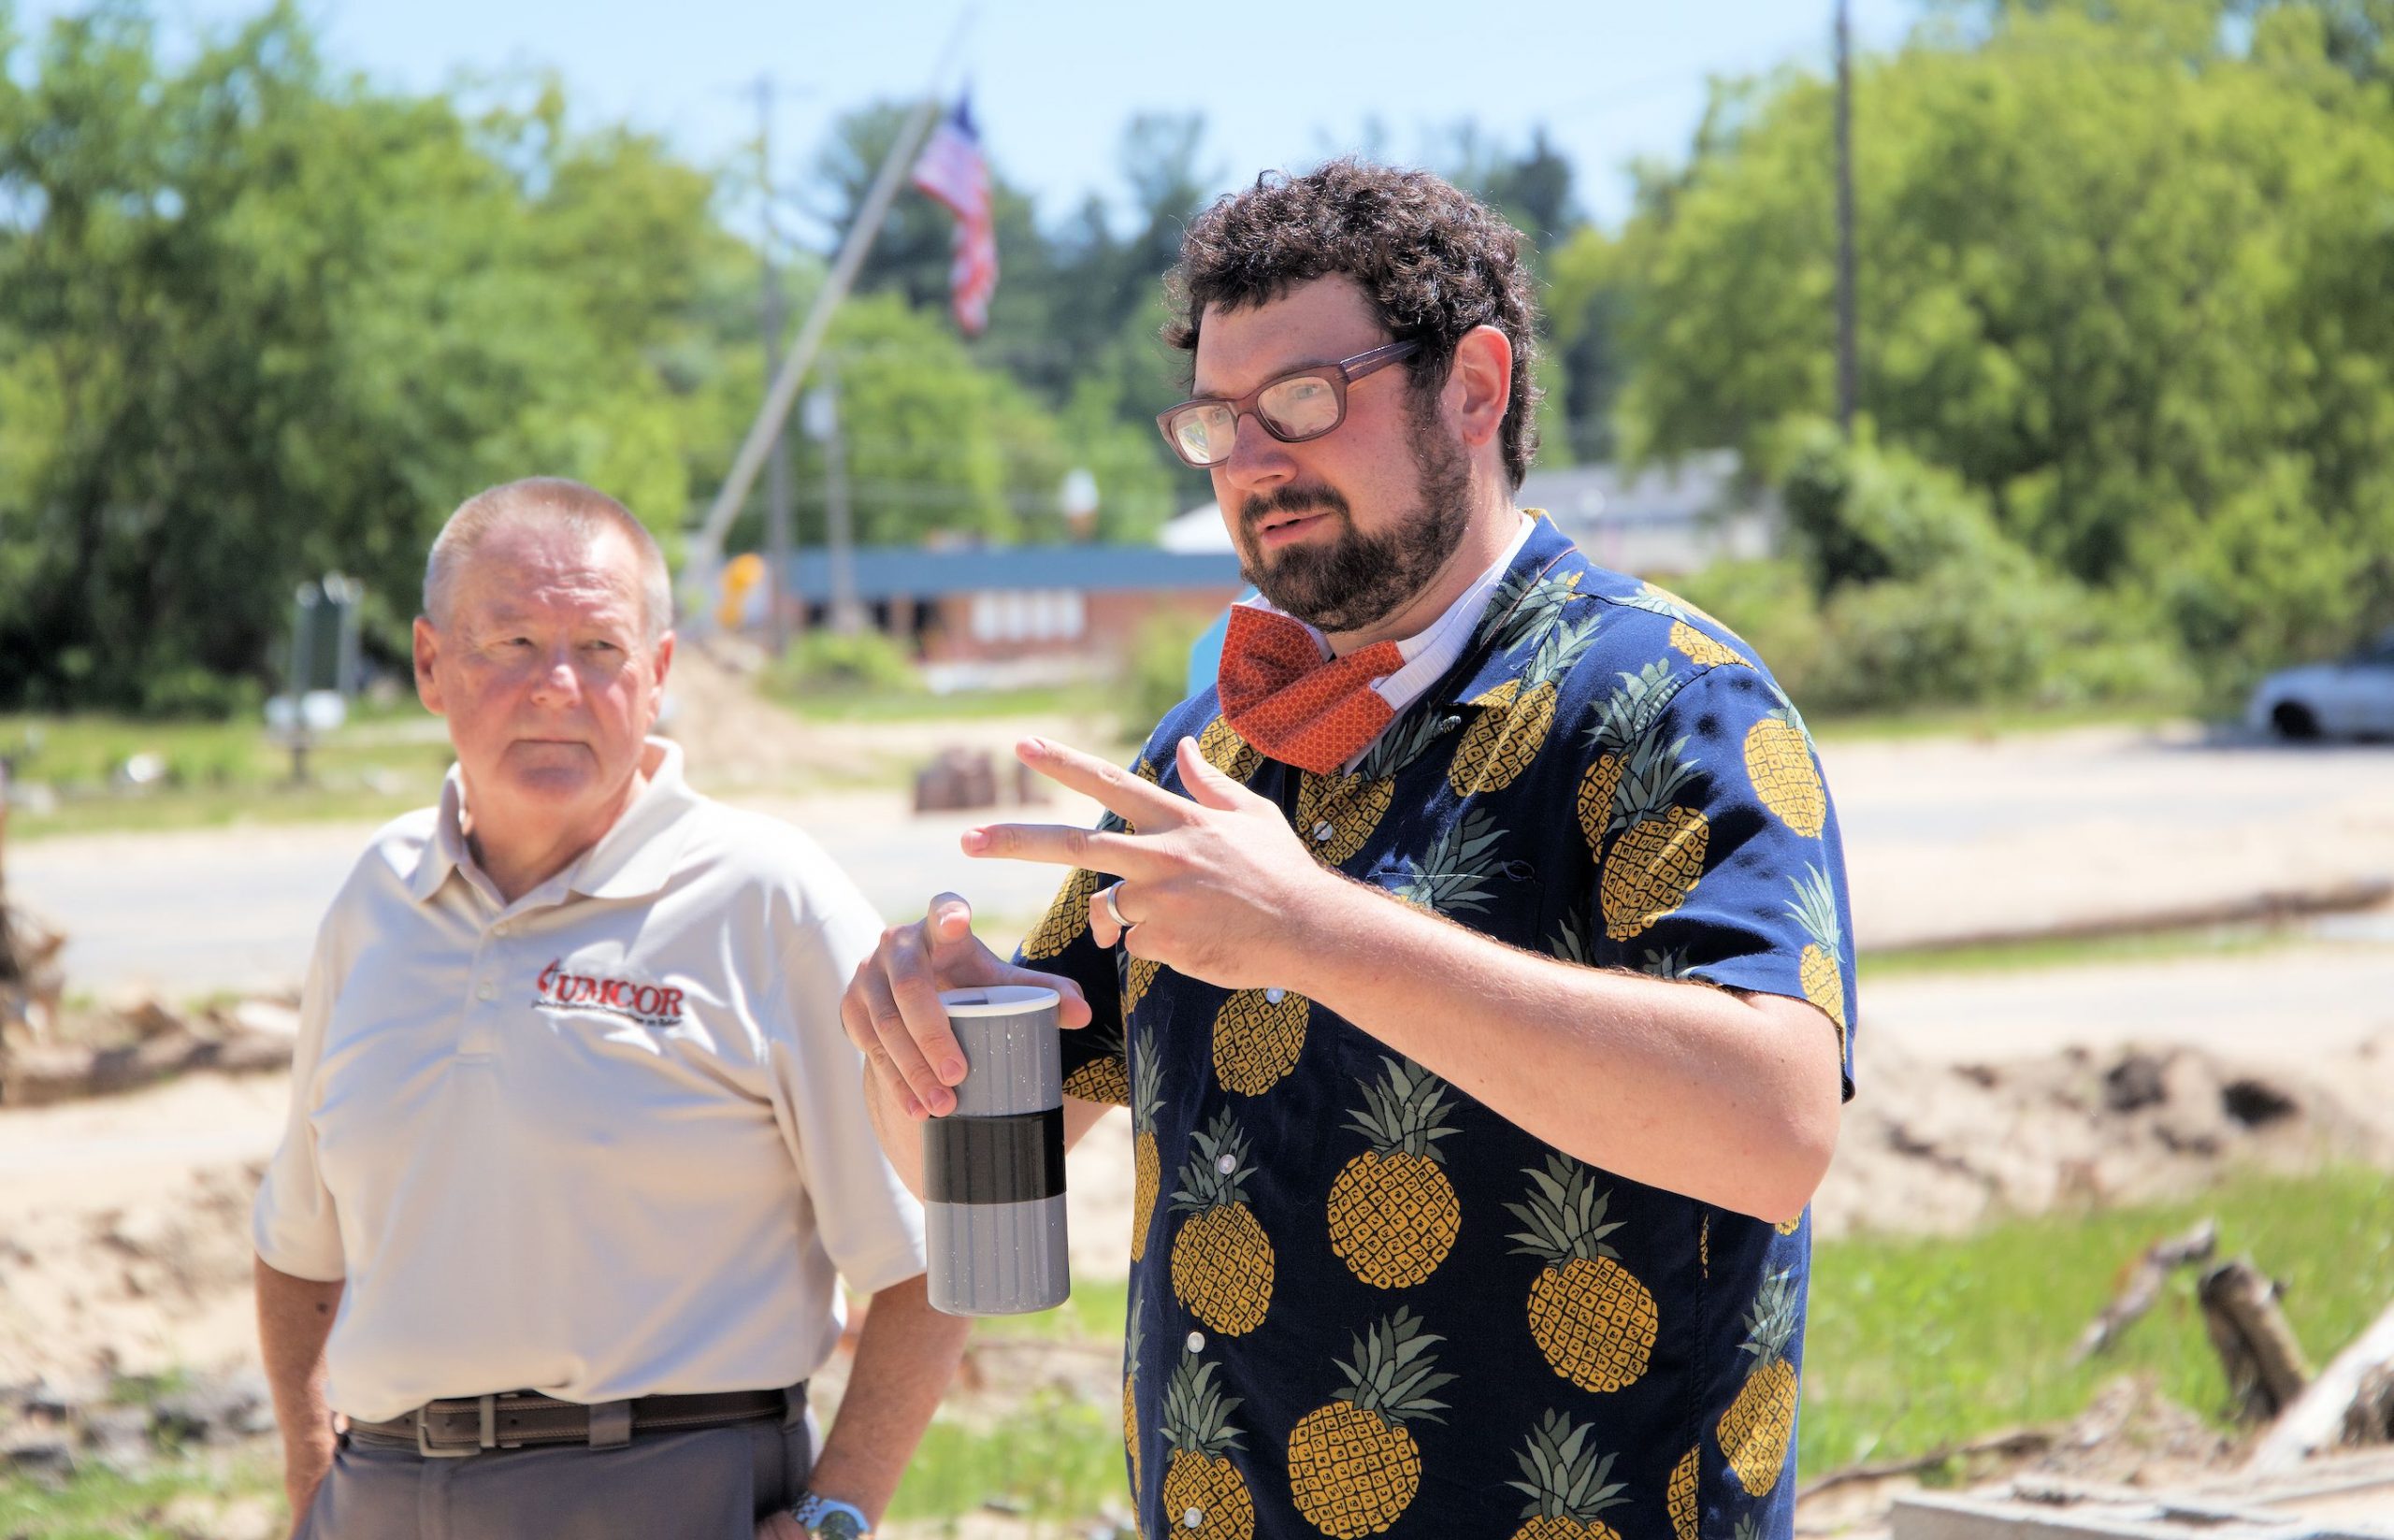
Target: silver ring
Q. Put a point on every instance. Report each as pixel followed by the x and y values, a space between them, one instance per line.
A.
pixel 1114 909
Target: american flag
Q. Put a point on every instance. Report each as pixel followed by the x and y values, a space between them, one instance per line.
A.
pixel 952 170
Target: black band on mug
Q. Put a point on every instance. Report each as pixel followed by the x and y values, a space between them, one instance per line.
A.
pixel 1012 1159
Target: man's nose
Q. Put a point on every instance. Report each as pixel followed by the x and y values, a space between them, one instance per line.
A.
pixel 1258 461
pixel 558 683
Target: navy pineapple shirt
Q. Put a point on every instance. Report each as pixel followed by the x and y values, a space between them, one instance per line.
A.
pixel 1360 1302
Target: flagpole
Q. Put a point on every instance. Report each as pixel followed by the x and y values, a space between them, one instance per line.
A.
pixel 704 553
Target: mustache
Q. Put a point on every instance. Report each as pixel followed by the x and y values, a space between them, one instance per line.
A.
pixel 1292 499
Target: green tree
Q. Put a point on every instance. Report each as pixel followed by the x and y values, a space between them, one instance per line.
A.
pixel 2129 283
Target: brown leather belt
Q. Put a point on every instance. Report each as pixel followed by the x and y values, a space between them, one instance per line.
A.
pixel 515 1419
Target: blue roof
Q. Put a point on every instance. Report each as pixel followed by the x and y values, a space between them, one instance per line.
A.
pixel 894 571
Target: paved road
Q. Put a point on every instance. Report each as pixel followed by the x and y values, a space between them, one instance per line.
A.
pixel 1944 837
pixel 202 910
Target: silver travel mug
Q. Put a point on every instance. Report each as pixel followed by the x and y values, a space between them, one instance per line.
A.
pixel 994 1170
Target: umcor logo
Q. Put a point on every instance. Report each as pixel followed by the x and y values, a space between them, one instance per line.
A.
pixel 653 1004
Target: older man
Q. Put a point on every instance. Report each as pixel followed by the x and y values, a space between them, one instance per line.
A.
pixel 1477 972
pixel 574 1162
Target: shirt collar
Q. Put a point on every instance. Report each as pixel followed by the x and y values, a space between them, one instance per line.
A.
pixel 631 860
pixel 1544 548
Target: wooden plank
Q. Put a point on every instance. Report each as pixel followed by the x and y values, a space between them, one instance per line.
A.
pixel 2315 1419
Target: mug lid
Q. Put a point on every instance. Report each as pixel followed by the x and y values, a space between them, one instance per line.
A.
pixel 997 1000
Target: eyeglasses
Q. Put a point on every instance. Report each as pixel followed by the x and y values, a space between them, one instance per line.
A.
pixel 1294 407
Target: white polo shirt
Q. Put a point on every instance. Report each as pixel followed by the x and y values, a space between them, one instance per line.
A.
pixel 606 1141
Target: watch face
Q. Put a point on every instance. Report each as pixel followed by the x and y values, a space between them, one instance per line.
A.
pixel 836 1525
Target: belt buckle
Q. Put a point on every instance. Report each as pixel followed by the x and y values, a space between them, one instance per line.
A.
pixel 486 1406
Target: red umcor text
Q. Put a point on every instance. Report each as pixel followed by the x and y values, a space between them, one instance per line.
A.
pixel 648 1001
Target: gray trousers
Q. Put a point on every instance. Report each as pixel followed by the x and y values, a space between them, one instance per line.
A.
pixel 710 1484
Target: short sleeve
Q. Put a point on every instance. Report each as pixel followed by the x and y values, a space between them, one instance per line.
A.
pixel 866 1221
pixel 293 1222
pixel 1720 858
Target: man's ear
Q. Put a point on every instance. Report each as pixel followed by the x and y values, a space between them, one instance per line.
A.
pixel 663 664
pixel 427 651
pixel 1480 384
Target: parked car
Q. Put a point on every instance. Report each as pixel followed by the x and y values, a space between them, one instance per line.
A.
pixel 2352 698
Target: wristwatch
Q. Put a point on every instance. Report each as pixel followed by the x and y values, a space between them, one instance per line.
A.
pixel 829 1519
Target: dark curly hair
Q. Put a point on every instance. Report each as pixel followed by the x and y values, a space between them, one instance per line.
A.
pixel 1436 261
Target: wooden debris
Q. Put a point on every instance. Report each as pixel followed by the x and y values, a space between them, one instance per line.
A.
pixel 2143 1287
pixel 2011 1444
pixel 2265 1366
pixel 2354 1389
pixel 37 1076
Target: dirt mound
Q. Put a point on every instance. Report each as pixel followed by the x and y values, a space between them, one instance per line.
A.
pixel 144 1288
pixel 730 735
pixel 1943 1147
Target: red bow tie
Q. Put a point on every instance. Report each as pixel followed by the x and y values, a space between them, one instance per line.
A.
pixel 1293 704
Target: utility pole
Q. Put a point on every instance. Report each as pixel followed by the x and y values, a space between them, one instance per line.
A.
pixel 779 576
pixel 847 614
pixel 1846 372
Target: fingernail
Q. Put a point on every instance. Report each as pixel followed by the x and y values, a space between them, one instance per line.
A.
pixel 1037 745
pixel 946 1103
pixel 952 1072
pixel 976 838
pixel 914 1109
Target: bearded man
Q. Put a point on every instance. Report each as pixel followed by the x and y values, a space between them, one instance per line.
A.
pixel 1476 972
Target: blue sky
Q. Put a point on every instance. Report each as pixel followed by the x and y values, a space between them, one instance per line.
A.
pixel 1055 81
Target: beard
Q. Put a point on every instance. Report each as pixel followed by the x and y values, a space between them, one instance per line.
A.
pixel 1356 580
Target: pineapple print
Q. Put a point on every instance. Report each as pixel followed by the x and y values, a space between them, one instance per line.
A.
pixel 1392 1212
pixel 1452 876
pixel 1679 1497
pixel 1593 1320
pixel 1353 1466
pixel 1146 1162
pixel 1140 977
pixel 1138 1335
pixel 1204 1494
pixel 1506 736
pixel 1756 1429
pixel 1221 1260
pixel 1067 918
pixel 1658 852
pixel 1336 815
pixel 1669 963
pixel 1524 605
pixel 1691 643
pixel 1621 722
pixel 1814 907
pixel 1222 747
pixel 1105 1079
pixel 1258 1035
pixel 1567 1484
pixel 1779 761
pixel 1571 946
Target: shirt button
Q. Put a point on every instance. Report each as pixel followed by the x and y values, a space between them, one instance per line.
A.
pixel 1274 997
pixel 1226 1164
pixel 486 990
pixel 1196 1341
pixel 1193 1519
pixel 1322 832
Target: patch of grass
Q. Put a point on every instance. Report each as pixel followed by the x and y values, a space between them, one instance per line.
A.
pixel 1915 1343
pixel 158 1503
pixel 1051 1459
pixel 216 773
pixel 2070 952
